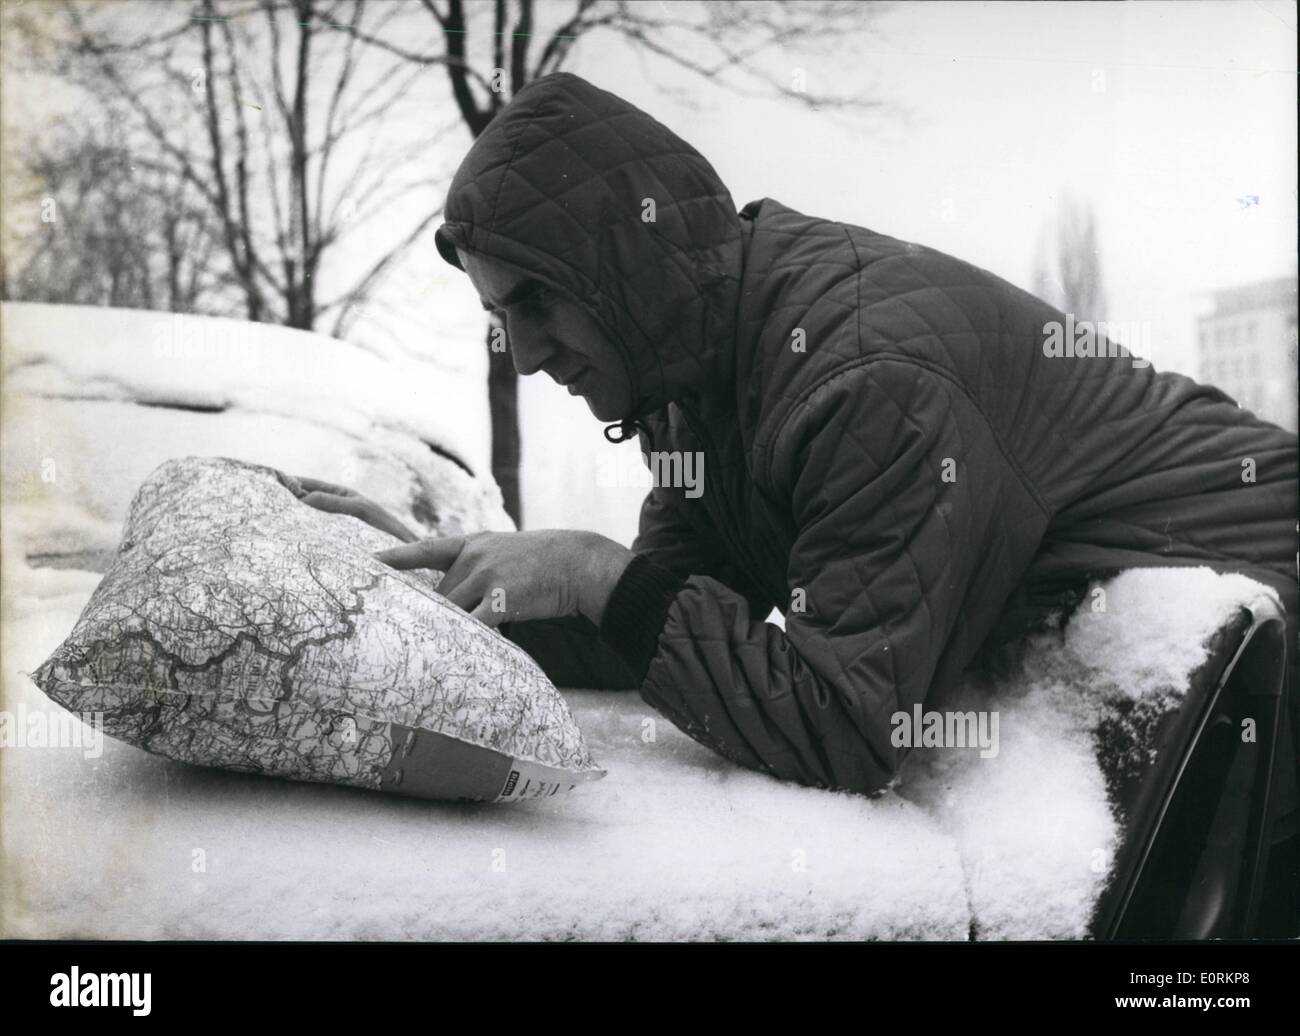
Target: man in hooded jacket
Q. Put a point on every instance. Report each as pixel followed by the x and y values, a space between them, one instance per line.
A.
pixel 894 452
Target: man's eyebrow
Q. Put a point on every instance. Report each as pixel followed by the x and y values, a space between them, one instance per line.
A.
pixel 516 294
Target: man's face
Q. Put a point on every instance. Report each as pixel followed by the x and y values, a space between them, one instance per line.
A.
pixel 546 330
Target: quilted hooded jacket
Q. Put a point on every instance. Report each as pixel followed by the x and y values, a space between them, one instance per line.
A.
pixel 891 458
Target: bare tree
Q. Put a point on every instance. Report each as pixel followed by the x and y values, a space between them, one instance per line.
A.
pixel 272 120
pixel 110 233
pixel 1067 267
pixel 266 111
pixel 491 50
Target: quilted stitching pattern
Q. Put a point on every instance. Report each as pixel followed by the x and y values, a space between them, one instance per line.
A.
pixel 825 468
pixel 557 185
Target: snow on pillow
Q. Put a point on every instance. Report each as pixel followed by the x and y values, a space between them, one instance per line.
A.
pixel 239 628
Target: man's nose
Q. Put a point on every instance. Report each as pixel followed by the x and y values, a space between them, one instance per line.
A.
pixel 530 346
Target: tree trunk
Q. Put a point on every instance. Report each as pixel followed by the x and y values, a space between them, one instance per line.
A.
pixel 503 404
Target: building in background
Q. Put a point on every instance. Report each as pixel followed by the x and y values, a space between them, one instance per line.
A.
pixel 1247 347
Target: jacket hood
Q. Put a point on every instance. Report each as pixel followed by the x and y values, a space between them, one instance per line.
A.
pixel 589 194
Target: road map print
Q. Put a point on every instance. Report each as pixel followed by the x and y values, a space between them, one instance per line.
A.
pixel 242 629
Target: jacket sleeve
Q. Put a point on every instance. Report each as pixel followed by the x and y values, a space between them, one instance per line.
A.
pixel 570 650
pixel 896 486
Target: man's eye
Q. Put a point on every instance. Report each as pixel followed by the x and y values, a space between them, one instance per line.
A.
pixel 537 299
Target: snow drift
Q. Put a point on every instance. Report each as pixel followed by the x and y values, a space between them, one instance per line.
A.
pixel 675 843
pixel 96 398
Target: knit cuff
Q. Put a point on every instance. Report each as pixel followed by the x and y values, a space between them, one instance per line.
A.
pixel 636 612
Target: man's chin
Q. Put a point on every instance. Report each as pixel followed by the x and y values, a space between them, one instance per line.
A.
pixel 601 410
pixel 607 406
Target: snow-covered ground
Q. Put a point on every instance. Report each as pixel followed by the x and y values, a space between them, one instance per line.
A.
pixel 675 843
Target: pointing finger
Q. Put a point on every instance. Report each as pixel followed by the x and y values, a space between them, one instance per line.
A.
pixel 439 553
pixel 329 502
pixel 486 614
pixel 315 485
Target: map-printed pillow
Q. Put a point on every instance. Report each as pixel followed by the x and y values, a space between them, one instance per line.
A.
pixel 239 628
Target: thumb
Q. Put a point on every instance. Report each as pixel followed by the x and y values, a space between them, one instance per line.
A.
pixel 439 552
pixel 485 614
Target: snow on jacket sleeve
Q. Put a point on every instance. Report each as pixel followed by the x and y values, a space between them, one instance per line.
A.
pixel 897 486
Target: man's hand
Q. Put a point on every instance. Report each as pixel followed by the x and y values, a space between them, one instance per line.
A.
pixel 326 496
pixel 508 576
